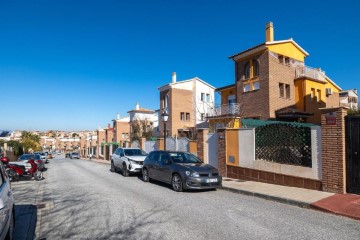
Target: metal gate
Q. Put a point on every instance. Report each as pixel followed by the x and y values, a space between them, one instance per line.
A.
pixel 352 125
pixel 135 144
pixel 183 144
pixel 170 144
pixel 150 146
pixel 212 149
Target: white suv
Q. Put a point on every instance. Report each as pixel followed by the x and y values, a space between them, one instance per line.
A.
pixel 129 160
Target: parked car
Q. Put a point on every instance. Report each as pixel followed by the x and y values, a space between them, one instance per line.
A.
pixel 67 155
pixel 43 156
pixel 7 209
pixel 129 160
pixel 39 161
pixel 74 155
pixel 182 170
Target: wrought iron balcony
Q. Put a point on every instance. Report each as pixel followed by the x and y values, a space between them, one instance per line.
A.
pixel 315 73
pixel 224 110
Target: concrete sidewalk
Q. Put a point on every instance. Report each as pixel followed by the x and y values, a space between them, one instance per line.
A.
pixel 341 204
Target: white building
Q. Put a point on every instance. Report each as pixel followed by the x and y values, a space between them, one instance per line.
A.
pixel 349 98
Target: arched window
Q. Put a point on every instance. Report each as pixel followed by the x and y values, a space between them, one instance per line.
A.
pixel 255 65
pixel 247 70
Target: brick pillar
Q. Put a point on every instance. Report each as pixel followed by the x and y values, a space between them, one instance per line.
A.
pixel 222 152
pixel 160 143
pixel 201 144
pixel 142 143
pixel 333 150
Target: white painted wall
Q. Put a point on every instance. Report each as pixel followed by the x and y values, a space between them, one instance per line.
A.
pixel 201 106
pixel 247 156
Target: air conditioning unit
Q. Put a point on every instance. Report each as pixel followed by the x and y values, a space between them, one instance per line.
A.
pixel 329 91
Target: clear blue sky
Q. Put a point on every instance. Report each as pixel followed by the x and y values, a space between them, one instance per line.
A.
pixel 73 65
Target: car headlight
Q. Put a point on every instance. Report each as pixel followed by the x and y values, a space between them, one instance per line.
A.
pixel 194 174
pixel 132 161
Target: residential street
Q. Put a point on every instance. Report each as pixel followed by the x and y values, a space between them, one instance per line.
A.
pixel 84 200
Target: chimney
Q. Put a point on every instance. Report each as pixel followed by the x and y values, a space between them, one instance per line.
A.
pixel 269 32
pixel 137 107
pixel 174 77
pixel 118 115
pixel 108 125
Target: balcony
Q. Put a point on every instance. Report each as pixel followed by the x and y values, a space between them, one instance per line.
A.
pixel 232 109
pixel 314 73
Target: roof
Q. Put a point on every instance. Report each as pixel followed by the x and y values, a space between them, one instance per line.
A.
pixel 185 81
pixel 263 46
pixel 225 87
pixel 141 110
pixel 331 81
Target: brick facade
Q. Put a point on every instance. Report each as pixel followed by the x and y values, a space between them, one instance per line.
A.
pixel 201 144
pixel 222 152
pixel 333 150
pixel 179 101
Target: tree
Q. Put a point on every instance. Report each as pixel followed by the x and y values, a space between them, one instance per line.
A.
pixel 30 141
pixel 16 146
pixel 140 129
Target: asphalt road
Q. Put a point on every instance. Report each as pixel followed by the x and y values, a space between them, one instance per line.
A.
pixel 84 200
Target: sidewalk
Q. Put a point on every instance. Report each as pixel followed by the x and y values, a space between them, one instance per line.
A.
pixel 341 204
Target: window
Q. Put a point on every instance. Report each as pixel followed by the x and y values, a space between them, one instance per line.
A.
pixel 247 70
pixel 313 96
pixel 255 66
pixel 287 61
pixel 287 90
pixel 281 59
pixel 281 90
pixel 202 97
pixel 182 116
pixel 188 117
pixel 256 85
pixel 207 97
pixel 318 95
pixel 247 87
pixel 202 116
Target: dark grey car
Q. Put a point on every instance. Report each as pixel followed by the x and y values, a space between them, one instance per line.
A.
pixel 182 170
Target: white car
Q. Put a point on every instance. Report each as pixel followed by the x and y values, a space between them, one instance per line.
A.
pixel 7 210
pixel 129 160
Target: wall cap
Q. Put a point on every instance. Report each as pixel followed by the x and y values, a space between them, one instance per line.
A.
pixel 333 108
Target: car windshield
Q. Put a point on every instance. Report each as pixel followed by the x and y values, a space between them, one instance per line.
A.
pixel 37 157
pixel 26 157
pixel 75 154
pixel 134 152
pixel 182 157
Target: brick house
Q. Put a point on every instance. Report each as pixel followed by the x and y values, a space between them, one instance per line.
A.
pixel 273 82
pixel 187 103
pixel 121 128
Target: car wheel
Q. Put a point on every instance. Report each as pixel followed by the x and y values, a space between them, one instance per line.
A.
pixel 176 183
pixel 112 168
pixel 145 174
pixel 10 232
pixel 125 172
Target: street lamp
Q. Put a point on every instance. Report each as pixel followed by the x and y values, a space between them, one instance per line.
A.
pixel 165 117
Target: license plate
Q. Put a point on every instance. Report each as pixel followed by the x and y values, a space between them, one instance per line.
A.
pixel 211 180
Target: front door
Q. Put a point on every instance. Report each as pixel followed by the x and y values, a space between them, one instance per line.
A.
pixel 353 154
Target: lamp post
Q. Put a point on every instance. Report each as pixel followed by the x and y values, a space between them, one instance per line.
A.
pixel 165 117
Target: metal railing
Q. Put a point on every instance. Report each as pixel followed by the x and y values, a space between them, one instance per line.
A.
pixel 224 110
pixel 315 73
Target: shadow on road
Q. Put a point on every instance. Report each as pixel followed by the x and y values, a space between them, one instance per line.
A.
pixel 25 221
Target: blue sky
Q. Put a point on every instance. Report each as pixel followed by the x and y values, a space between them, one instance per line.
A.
pixel 73 65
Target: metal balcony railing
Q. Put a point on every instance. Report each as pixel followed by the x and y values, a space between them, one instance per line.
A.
pixel 224 110
pixel 315 73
